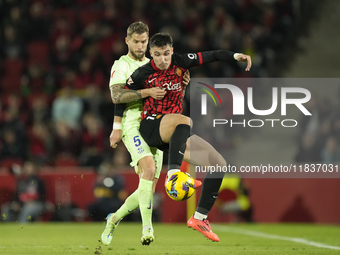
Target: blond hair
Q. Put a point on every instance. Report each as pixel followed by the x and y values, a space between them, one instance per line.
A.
pixel 137 27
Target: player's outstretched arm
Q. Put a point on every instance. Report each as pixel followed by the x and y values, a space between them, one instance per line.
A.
pixel 120 95
pixel 195 59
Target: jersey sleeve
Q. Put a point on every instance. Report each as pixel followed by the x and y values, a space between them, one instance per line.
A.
pixel 118 73
pixel 135 81
pixel 195 59
pixel 119 110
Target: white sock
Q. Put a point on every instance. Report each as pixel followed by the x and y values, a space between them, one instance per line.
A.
pixel 172 171
pixel 200 216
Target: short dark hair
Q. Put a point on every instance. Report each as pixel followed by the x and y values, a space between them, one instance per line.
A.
pixel 160 40
pixel 137 27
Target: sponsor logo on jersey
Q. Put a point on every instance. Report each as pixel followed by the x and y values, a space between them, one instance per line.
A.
pixel 170 86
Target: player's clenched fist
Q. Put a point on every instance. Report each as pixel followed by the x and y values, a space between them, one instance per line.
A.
pixel 115 137
pixel 157 93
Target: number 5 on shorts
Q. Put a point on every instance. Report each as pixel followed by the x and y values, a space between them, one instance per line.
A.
pixel 136 140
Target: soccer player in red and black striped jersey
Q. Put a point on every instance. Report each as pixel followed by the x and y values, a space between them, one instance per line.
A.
pixel 163 126
pixel 166 71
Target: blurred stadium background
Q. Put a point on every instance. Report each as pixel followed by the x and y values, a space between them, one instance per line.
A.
pixel 58 51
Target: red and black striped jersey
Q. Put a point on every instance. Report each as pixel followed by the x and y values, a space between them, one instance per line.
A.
pixel 171 80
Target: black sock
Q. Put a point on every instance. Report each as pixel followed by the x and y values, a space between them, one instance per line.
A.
pixel 210 187
pixel 177 146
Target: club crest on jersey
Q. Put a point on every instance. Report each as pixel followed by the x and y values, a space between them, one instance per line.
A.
pixel 178 72
pixel 130 81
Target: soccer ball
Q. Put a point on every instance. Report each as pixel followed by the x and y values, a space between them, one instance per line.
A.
pixel 180 186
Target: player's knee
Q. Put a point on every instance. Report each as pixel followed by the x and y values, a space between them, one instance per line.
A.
pixel 147 168
pixel 149 174
pixel 191 123
pixel 223 162
pixel 150 170
pixel 218 159
pixel 185 120
pixel 150 166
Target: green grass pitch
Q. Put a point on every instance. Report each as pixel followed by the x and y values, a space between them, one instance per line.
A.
pixel 170 239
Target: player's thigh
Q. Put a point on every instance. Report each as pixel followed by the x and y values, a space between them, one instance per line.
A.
pixel 149 129
pixel 139 149
pixel 169 123
pixel 136 146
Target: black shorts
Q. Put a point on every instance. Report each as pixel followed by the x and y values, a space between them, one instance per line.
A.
pixel 149 129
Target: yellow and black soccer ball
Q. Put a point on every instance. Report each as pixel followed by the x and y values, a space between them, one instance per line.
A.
pixel 180 186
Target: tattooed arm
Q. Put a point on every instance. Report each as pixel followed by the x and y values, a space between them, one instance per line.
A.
pixel 121 95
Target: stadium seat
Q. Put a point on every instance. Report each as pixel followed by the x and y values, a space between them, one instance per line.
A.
pixel 10 84
pixel 88 16
pixel 6 97
pixel 65 161
pixel 44 2
pixel 69 14
pixel 37 96
pixel 9 162
pixel 38 52
pixel 85 2
pixel 12 67
pixel 6 195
